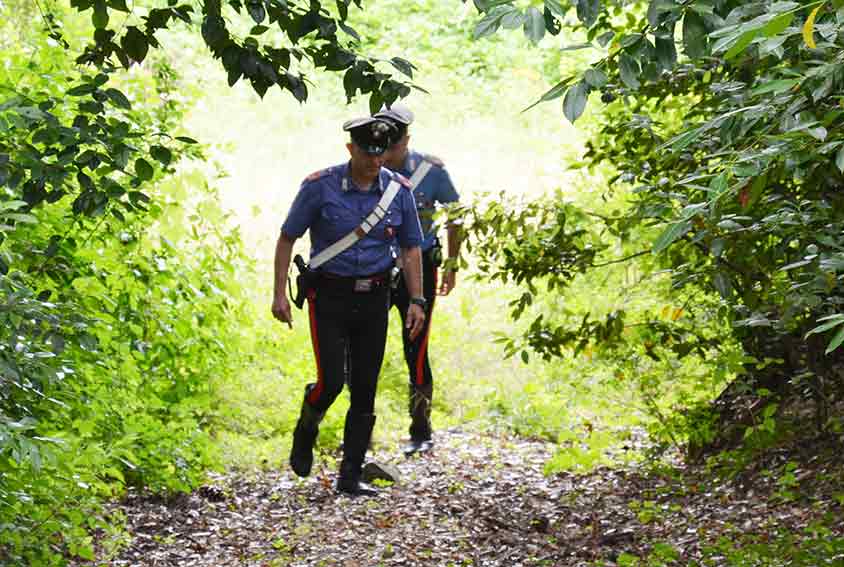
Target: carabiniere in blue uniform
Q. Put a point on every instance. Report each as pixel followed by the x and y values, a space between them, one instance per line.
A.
pixel 331 206
pixel 432 186
pixel 349 294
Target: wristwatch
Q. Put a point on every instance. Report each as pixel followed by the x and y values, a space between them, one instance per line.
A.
pixel 420 301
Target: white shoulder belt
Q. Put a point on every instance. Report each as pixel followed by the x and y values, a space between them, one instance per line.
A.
pixel 360 231
pixel 374 217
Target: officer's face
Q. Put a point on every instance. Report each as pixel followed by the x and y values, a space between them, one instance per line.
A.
pixel 394 157
pixel 364 163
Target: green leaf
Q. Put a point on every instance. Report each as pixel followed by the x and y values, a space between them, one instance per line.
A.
pixel 577 47
pixel 575 102
pixel 512 19
pixel 759 185
pixel 135 44
pixel 744 40
pixel 682 141
pixel 588 11
pixel 349 30
pixel 85 181
pixel 595 77
pixel 403 65
pixel 717 247
pixel 162 154
pixel 534 25
pixel 118 98
pixel 257 11
pixel 778 24
pixel 719 184
pixel 836 341
pixel 85 551
pixel 554 92
pixel 653 13
pixel 118 214
pixel 695 41
pixel 836 316
pixel 376 101
pixel 21 217
pixel 81 90
pixel 488 25
pixel 630 40
pixel 258 30
pixel 629 70
pixel 722 284
pixel 666 52
pixel 835 320
pixel 143 169
pixel 779 86
pixel 701 8
pixel 674 231
pixel 556 8
pixel 138 197
pixel 605 38
pixel 839 159
pixel 186 140
pixel 100 15
pixel 794 265
pixel 12 205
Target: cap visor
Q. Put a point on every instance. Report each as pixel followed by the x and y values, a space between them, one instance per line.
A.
pixel 373 150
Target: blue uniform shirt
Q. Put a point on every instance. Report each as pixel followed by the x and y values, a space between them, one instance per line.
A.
pixel 331 206
pixel 436 187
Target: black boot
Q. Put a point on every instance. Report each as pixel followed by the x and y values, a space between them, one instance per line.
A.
pixel 356 435
pixel 420 416
pixel 304 436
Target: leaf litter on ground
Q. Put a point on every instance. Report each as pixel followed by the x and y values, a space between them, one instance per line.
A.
pixel 484 500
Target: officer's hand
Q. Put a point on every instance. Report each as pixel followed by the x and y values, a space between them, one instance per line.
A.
pixel 449 279
pixel 414 320
pixel 281 310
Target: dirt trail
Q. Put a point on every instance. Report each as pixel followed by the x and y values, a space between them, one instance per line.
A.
pixel 475 500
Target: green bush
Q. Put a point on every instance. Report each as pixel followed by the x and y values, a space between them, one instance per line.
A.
pixel 118 295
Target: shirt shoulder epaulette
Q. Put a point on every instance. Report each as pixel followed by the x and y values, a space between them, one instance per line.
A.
pixel 317 175
pixel 433 159
pixel 405 182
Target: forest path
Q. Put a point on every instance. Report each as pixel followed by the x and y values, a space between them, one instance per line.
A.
pixel 474 500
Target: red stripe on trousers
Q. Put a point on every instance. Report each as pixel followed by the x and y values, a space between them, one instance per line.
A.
pixel 313 395
pixel 423 348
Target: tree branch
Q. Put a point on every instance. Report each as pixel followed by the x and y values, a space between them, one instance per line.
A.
pixel 620 260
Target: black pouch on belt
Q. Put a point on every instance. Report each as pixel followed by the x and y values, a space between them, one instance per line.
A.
pixel 304 281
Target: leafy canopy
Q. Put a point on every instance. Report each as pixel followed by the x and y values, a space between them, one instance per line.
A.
pixel 269 43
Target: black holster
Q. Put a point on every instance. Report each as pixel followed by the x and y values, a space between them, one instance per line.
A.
pixel 305 281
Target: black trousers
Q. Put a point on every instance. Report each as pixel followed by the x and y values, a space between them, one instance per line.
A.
pixel 348 333
pixel 416 351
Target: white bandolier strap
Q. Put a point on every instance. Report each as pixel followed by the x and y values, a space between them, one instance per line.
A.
pixel 420 173
pixel 359 232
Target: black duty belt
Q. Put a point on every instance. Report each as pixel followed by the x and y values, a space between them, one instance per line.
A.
pixel 359 284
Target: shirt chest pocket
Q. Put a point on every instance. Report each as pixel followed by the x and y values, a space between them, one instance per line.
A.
pixel 387 226
pixel 335 211
pixel 338 220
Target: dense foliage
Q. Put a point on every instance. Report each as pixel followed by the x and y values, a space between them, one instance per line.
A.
pixel 115 292
pixel 244 38
pixel 723 132
pixel 719 231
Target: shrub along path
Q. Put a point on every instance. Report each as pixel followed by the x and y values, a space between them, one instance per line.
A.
pixel 484 501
